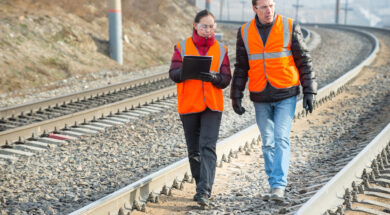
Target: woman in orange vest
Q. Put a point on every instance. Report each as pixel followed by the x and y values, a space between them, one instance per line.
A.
pixel 200 102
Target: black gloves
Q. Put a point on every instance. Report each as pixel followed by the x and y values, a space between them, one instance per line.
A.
pixel 210 77
pixel 175 74
pixel 236 103
pixel 308 101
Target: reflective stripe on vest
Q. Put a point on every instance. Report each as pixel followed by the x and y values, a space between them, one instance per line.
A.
pixel 274 61
pixel 195 95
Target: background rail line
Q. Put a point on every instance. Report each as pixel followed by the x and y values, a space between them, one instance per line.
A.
pixel 35 106
pixel 20 122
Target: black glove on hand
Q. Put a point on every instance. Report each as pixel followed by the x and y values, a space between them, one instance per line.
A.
pixel 175 75
pixel 236 103
pixel 308 101
pixel 209 77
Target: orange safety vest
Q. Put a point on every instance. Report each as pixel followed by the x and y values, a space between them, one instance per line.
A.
pixel 195 95
pixel 274 62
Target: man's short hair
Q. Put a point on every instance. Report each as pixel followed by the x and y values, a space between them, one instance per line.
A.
pixel 254 2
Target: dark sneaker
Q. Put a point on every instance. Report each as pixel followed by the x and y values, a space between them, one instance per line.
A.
pixel 203 201
pixel 277 194
pixel 267 196
pixel 196 197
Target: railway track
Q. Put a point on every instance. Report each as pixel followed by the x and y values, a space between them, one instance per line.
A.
pixel 21 123
pixel 174 176
pixel 360 185
pixel 359 182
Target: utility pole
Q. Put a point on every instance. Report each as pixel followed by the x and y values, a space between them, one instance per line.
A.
pixel 222 2
pixel 337 11
pixel 193 2
pixel 115 30
pixel 228 9
pixel 346 9
pixel 243 2
pixel 297 6
pixel 208 3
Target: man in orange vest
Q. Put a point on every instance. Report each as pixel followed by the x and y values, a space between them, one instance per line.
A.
pixel 271 53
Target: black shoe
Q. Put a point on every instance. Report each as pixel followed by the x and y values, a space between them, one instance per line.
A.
pixel 203 200
pixel 196 197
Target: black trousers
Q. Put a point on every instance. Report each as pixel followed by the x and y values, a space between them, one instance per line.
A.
pixel 201 132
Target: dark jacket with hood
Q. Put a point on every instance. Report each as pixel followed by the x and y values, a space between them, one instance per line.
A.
pixel 302 61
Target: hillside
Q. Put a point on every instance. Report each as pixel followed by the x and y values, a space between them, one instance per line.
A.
pixel 44 41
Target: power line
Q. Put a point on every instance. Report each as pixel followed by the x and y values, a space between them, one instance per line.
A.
pixel 228 9
pixel 243 2
pixel 346 9
pixel 297 6
pixel 221 4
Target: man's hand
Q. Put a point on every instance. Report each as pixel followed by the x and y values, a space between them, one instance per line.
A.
pixel 209 77
pixel 308 101
pixel 236 103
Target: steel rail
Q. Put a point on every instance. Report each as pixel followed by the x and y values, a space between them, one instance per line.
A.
pixel 178 172
pixel 337 85
pixel 80 117
pixel 332 194
pixel 130 197
pixel 34 106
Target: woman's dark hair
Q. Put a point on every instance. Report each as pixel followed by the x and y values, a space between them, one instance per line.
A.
pixel 202 14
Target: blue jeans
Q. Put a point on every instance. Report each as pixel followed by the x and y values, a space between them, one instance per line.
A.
pixel 274 120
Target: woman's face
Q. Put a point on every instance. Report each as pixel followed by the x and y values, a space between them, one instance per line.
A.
pixel 205 27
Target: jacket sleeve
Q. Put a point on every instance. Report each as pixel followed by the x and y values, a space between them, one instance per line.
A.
pixel 224 73
pixel 176 66
pixel 241 67
pixel 303 61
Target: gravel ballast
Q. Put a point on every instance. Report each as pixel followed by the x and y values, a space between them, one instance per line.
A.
pixel 336 129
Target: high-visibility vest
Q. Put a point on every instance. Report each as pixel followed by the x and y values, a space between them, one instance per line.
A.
pixel 195 95
pixel 274 62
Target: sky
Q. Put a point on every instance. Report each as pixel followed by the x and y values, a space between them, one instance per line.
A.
pixel 360 12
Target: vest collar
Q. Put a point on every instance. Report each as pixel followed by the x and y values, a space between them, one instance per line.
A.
pixel 260 25
pixel 202 41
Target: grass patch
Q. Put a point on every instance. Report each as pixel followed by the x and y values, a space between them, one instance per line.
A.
pixel 23 29
pixel 15 72
pixel 33 78
pixel 19 40
pixel 55 63
pixel 142 63
pixel 65 35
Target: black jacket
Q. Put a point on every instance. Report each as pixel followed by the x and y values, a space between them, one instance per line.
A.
pixel 302 61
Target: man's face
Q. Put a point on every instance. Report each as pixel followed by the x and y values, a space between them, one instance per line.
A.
pixel 265 10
